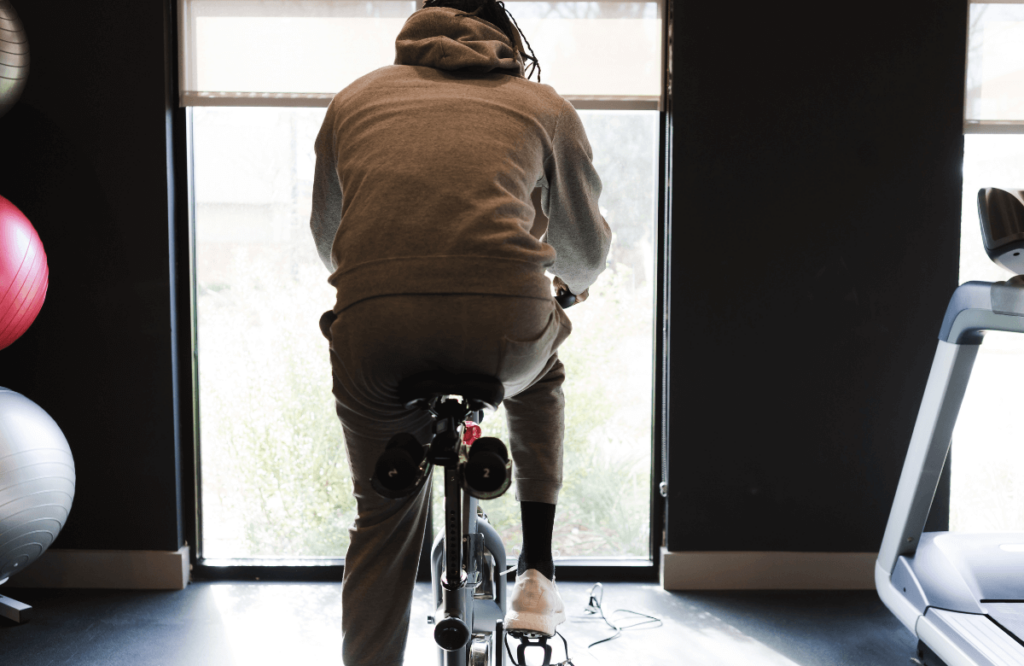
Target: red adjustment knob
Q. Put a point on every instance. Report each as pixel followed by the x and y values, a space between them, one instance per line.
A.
pixel 471 434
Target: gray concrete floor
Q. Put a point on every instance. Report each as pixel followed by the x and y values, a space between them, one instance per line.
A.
pixel 252 624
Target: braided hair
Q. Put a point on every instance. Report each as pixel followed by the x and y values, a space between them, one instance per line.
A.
pixel 494 11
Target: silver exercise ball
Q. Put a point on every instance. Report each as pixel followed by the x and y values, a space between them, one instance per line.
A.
pixel 13 57
pixel 37 482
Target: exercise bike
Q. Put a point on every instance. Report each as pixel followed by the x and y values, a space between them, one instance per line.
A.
pixel 467 558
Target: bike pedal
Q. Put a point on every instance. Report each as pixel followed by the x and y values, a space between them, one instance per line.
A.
pixel 532 635
pixel 537 640
pixel 526 641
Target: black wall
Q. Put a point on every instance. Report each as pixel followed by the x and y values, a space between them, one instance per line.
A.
pixel 85 157
pixel 816 213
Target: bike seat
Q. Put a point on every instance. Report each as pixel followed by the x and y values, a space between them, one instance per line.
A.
pixel 480 391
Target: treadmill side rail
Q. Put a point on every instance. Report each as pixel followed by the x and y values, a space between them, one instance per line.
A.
pixel 904 579
pixel 965 639
pixel 929 446
pixel 894 600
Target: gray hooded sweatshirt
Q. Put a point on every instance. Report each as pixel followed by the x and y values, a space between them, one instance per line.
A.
pixel 425 170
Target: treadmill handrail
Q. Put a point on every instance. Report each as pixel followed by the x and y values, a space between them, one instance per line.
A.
pixel 926 455
pixel 978 307
pixel 975 308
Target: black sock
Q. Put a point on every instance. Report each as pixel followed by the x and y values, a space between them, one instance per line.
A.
pixel 538 524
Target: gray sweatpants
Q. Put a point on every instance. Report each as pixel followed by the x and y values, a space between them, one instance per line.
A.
pixel 374 345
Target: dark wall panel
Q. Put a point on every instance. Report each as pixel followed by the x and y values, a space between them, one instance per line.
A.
pixel 84 155
pixel 816 212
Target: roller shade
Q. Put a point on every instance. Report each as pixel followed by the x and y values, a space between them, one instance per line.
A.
pixel 302 52
pixel 995 68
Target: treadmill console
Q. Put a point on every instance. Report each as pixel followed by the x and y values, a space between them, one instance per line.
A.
pixel 1002 226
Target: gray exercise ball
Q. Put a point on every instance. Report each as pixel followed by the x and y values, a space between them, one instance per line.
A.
pixel 37 482
pixel 13 57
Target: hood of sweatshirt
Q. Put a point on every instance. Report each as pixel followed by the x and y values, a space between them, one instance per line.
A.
pixel 452 40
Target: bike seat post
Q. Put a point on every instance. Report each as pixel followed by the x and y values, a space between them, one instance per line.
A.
pixel 444 451
pixel 454 577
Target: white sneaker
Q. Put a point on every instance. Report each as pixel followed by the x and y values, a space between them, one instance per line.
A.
pixel 535 606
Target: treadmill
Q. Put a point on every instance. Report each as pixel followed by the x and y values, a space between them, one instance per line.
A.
pixel 961 594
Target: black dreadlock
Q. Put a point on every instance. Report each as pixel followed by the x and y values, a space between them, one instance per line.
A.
pixel 495 12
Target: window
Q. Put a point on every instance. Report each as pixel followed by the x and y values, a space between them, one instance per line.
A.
pixel 988 468
pixel 257 77
pixel 995 71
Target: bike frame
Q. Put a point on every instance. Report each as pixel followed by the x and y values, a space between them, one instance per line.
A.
pixel 467 539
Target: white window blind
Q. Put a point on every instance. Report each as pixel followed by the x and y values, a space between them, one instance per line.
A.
pixel 995 68
pixel 602 55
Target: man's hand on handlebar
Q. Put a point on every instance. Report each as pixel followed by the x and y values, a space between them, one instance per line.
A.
pixel 562 292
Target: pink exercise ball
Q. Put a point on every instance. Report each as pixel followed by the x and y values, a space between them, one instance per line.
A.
pixel 24 274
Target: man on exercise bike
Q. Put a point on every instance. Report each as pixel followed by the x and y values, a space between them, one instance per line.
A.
pixel 445 186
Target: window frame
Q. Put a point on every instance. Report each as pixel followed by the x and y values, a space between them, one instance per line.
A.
pixel 186 352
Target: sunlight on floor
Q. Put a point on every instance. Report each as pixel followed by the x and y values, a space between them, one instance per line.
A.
pixel 690 637
pixel 294 624
pixel 280 623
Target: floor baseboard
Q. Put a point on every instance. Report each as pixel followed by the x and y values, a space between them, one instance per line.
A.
pixel 107 569
pixel 763 570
